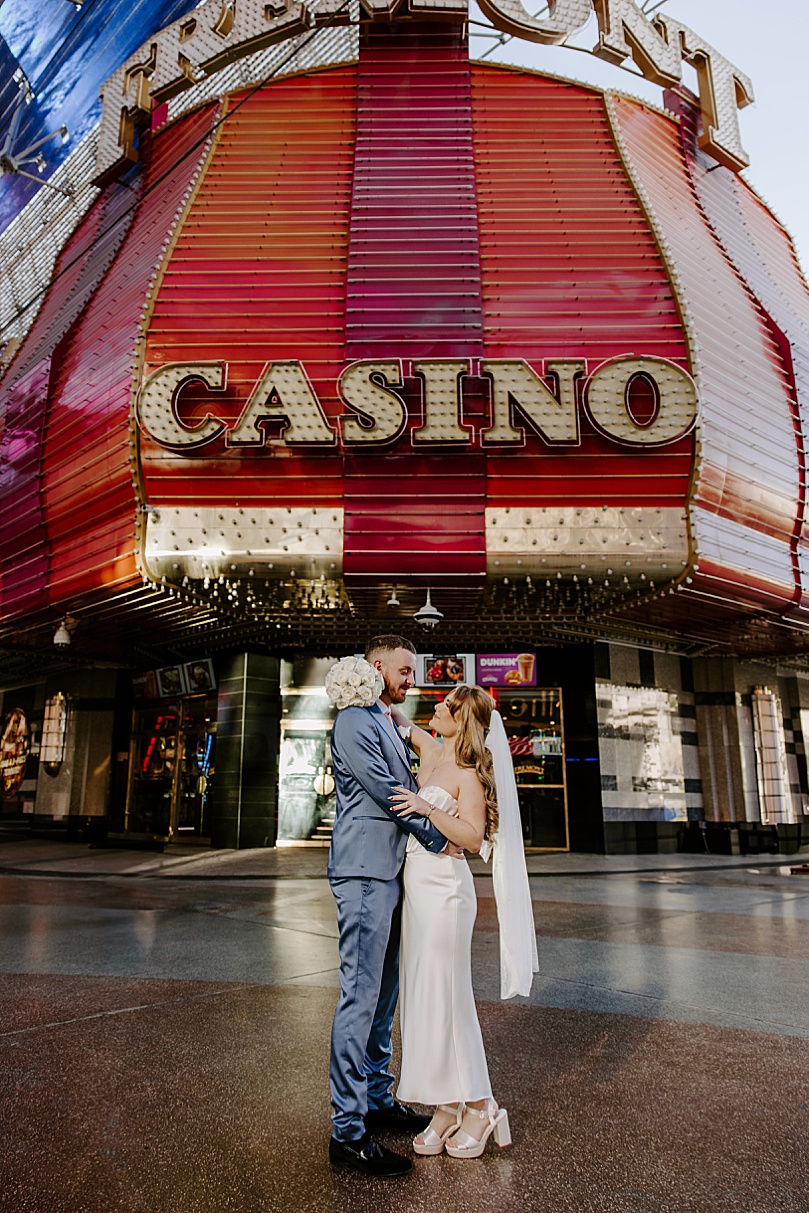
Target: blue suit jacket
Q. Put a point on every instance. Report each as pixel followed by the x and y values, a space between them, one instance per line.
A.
pixel 369 839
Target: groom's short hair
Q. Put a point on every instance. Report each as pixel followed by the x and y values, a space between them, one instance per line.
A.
pixel 378 645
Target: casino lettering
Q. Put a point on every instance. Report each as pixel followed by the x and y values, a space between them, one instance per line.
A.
pixel 285 395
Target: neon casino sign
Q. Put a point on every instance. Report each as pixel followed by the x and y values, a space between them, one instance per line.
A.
pixel 520 399
pixel 222 31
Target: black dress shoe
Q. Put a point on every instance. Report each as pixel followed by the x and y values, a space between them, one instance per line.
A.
pixel 368 1156
pixel 396 1119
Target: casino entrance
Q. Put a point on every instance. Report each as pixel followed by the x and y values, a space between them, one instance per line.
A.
pixel 534 721
pixel 535 729
pixel 170 771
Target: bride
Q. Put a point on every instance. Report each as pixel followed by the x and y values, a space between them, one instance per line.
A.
pixel 443 1059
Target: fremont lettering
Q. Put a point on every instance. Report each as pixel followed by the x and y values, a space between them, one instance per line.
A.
pixel 209 38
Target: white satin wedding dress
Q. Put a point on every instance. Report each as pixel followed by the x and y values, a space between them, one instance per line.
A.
pixel 443 1059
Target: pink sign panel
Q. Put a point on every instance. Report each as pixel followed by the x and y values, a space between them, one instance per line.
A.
pixel 507 670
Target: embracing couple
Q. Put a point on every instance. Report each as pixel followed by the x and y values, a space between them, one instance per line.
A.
pixel 398 874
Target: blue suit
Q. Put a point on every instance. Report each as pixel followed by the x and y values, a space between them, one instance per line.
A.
pixel 365 861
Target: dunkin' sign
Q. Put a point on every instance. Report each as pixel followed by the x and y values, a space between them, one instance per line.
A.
pixel 507 669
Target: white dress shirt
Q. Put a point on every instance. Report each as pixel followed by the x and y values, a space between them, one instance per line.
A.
pixel 386 712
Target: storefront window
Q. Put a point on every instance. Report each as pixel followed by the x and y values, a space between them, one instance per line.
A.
pixel 642 771
pixel 533 721
pixel 534 726
pixel 306 797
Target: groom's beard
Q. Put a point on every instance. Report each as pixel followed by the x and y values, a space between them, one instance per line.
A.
pixel 398 693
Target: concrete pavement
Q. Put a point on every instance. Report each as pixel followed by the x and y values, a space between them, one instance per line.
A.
pixel 165 1018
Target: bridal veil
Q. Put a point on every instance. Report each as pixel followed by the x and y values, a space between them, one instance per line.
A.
pixel 518 944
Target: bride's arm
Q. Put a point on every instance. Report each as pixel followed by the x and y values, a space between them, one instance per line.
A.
pixel 467 829
pixel 422 741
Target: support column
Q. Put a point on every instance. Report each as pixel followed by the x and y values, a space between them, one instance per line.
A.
pixel 723 744
pixel 244 800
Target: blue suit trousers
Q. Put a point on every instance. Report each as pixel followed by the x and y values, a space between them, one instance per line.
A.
pixel 368 917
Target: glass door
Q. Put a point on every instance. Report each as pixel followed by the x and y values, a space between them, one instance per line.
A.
pixel 153 769
pixel 534 726
pixel 306 796
pixel 195 768
pixel 171 769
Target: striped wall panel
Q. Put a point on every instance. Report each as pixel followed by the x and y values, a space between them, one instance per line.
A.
pixel 24 394
pixel 750 472
pixel 569 270
pixel 413 286
pixel 258 274
pixel 89 499
pixel 763 255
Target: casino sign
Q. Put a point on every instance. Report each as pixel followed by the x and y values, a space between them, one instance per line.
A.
pixel 285 395
pixel 408 321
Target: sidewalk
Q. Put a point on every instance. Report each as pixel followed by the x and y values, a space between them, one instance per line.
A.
pixel 166 1026
pixel 43 857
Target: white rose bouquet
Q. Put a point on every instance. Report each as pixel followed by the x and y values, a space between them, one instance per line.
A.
pixel 353 682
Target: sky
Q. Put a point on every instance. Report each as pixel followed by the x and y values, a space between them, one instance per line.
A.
pixel 768 41
pixel 66 55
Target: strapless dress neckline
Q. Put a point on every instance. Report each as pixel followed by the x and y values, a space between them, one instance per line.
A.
pixel 438 796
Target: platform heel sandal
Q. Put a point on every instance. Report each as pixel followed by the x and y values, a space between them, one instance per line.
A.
pixel 464 1146
pixel 432 1142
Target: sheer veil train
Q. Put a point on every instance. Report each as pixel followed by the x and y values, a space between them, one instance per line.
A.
pixel 518 945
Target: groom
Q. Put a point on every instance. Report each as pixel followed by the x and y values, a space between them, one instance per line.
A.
pixel 365 862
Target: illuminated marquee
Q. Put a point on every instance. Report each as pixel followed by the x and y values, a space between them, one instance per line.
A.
pixel 220 32
pixel 521 400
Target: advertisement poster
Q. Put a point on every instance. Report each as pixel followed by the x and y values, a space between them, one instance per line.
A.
pixel 15 746
pixel 144 685
pixel 199 675
pixel 444 670
pixel 171 680
pixel 507 670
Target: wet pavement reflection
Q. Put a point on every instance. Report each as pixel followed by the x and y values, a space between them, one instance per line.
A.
pixel 164 1045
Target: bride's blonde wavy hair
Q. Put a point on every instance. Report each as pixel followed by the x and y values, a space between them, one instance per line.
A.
pixel 472 708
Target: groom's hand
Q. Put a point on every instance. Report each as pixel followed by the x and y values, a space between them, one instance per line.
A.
pixel 453 851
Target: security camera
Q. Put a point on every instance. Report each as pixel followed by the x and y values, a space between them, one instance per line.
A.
pixel 61 637
pixel 427 615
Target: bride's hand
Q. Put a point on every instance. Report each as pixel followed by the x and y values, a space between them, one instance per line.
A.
pixel 409 802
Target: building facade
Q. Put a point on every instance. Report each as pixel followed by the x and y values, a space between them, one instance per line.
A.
pixel 396 325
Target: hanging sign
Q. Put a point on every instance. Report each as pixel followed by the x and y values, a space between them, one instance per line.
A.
pixel 507 670
pixel 216 34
